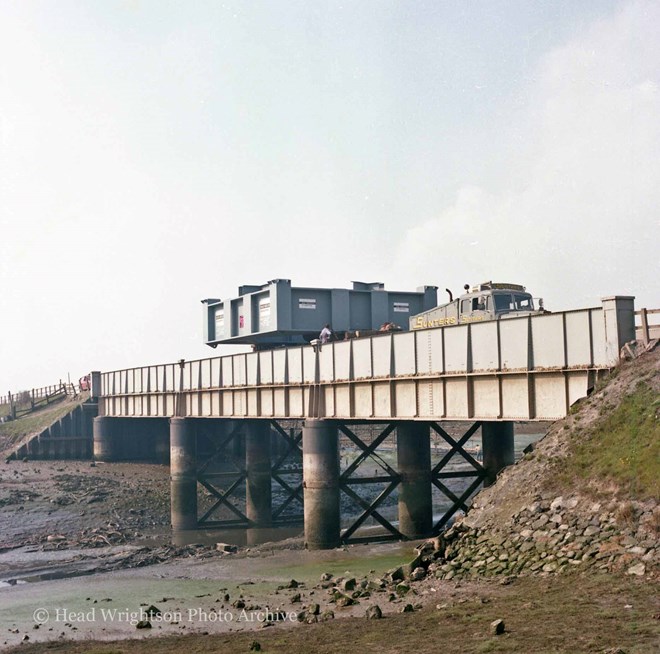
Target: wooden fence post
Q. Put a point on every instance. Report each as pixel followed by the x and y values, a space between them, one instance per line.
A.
pixel 645 326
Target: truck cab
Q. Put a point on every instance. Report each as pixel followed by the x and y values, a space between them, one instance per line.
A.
pixel 488 301
pixel 485 301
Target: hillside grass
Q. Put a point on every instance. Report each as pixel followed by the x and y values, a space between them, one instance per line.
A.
pixel 622 449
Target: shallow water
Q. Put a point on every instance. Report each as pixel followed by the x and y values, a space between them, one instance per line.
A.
pixel 189 592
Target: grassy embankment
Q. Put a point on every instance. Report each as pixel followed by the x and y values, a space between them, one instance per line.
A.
pixel 620 453
pixel 13 432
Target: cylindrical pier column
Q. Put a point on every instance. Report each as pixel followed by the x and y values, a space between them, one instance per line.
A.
pixel 183 474
pixel 414 461
pixel 106 434
pixel 321 484
pixel 497 445
pixel 258 498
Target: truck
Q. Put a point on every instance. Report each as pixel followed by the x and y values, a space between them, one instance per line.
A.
pixel 277 314
pixel 485 301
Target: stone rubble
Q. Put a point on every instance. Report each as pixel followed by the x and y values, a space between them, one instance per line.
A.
pixel 551 535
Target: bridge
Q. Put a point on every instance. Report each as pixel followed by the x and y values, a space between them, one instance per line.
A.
pixel 276 417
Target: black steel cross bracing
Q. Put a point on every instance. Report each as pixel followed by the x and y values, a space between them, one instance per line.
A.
pixel 367 450
pixel 222 499
pixel 456 446
pixel 370 510
pixel 219 449
pixel 222 496
pixel 458 501
pixel 393 479
pixel 295 493
pixel 461 501
pixel 479 473
pixel 294 444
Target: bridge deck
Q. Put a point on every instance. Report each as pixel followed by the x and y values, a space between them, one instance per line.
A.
pixel 528 368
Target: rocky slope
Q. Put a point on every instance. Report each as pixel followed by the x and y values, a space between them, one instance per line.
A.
pixel 547 515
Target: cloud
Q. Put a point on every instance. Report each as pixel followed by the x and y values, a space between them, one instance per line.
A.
pixel 573 212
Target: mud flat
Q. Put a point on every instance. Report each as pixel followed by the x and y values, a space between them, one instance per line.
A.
pixel 252 601
pixel 88 546
pixel 203 592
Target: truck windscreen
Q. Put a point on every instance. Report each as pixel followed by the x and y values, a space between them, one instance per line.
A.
pixel 523 302
pixel 513 302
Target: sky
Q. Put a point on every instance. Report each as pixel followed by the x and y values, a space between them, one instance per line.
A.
pixel 155 153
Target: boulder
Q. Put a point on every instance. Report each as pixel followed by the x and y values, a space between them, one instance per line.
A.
pixel 497 627
pixel 402 589
pixel 638 569
pixel 348 584
pixel 374 613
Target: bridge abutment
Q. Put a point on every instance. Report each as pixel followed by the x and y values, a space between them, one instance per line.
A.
pixel 183 474
pixel 258 494
pixel 414 463
pixel 129 439
pixel 497 446
pixel 321 484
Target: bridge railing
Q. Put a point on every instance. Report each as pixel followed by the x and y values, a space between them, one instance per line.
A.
pixel 647 324
pixel 468 359
pixel 23 402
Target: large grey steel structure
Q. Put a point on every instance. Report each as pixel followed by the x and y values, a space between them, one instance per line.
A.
pixel 277 313
pixel 487 374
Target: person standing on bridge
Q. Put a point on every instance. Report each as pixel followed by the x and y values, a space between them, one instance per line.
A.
pixel 326 334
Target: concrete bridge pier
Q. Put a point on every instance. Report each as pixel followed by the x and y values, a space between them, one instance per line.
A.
pixel 497 446
pixel 106 435
pixel 183 474
pixel 321 484
pixel 414 463
pixel 258 496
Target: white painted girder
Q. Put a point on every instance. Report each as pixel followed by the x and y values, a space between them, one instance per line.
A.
pixel 527 368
